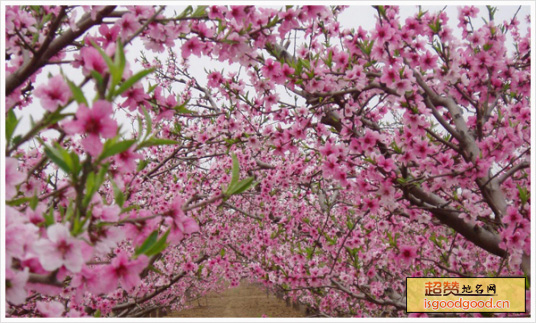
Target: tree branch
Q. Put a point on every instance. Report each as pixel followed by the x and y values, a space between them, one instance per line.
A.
pixel 512 171
pixel 18 77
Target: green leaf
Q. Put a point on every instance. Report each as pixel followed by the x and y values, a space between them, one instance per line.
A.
pixel 11 124
pixel 272 22
pixel 186 12
pixel 93 183
pixel 111 66
pixel 156 142
pixel 156 270
pixel 177 128
pixel 241 187
pixel 18 201
pixel 115 148
pixel 141 165
pixel 200 11
pixel 132 80
pixel 182 109
pixel 57 158
pixel 130 208
pixel 151 88
pixel 98 77
pixel 49 217
pixel 75 163
pixel 34 201
pixel 140 127
pixel 78 95
pixel 523 194
pixel 147 244
pixel 72 162
pixel 148 120
pixel 69 212
pixel 120 60
pixel 16 139
pixel 119 196
pixel 391 240
pixel 309 251
pixel 90 188
pixel 78 226
pixel 235 173
pixel 159 246
pixel 55 117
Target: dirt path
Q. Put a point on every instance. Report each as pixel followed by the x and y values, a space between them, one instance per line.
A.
pixel 246 300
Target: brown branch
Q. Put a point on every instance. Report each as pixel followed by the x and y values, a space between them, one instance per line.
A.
pixel 241 211
pixel 162 163
pixel 157 291
pixel 216 197
pixel 368 298
pixel 49 279
pixel 441 140
pixel 51 33
pixel 150 20
pixel 513 170
pixel 51 46
pixel 445 268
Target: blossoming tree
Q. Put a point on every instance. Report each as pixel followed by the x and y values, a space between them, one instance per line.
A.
pixel 327 163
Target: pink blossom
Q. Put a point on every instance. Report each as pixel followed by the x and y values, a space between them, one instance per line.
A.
pixel 135 97
pixel 331 166
pixel 180 224
pixel 386 164
pixel 53 93
pixel 390 75
pixel 125 271
pixel 428 61
pixel 92 60
pixel 369 139
pixel 50 309
pixel 371 204
pixel 109 34
pixel 93 122
pixel 407 253
pixel 107 213
pixel 189 266
pixel 89 279
pixel 382 33
pixel 203 31
pixel 109 237
pixel 192 46
pixel 20 235
pixel 272 69
pixel 515 241
pixel 239 13
pixel 215 12
pixel 128 25
pixel 512 216
pixel 15 282
pixel 327 150
pixel 60 249
pixel 126 161
pixel 13 177
pixel 214 79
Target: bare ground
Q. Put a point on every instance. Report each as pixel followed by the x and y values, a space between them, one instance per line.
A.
pixel 246 300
